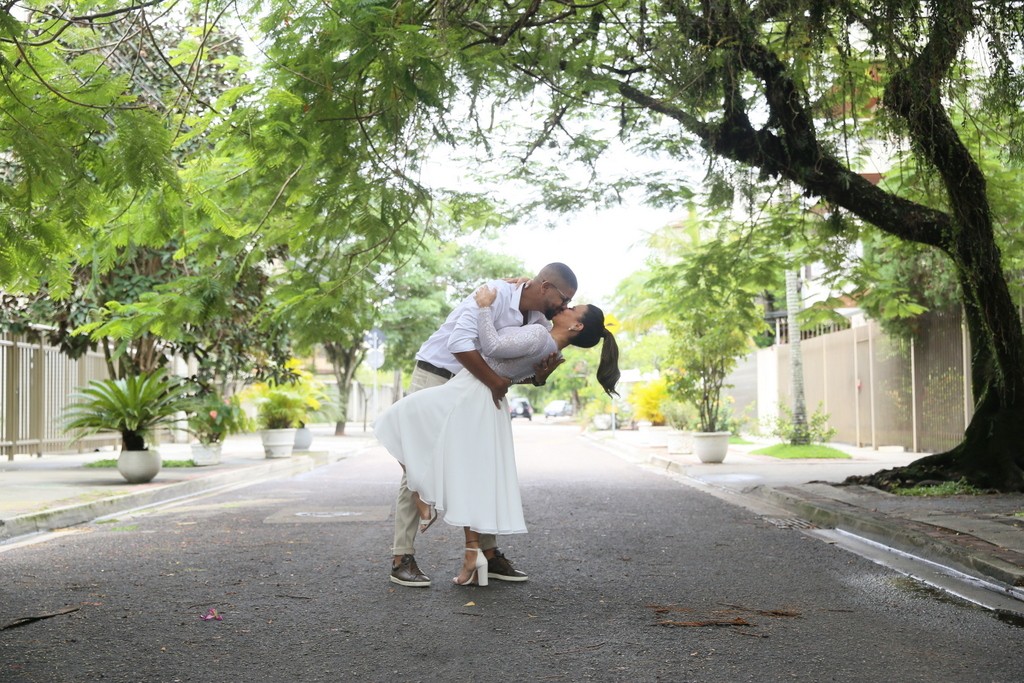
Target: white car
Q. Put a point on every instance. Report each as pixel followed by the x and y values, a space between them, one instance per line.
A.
pixel 520 407
pixel 558 408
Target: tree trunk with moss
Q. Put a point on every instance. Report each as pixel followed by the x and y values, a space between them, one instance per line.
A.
pixel 344 362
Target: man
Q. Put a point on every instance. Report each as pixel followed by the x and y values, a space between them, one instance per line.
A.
pixel 455 345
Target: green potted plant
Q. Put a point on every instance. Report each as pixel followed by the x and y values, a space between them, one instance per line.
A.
pixel 706 298
pixel 680 418
pixel 136 406
pixel 280 409
pixel 707 349
pixel 312 391
pixel 211 419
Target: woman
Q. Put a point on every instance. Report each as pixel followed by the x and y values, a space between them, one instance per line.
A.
pixel 456 448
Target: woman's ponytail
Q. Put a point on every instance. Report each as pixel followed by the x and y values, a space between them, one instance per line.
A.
pixel 608 369
pixel 593 332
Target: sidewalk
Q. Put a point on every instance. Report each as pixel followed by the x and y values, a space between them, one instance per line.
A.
pixel 982 536
pixel 55 491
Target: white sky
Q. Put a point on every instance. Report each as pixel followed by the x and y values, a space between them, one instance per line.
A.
pixel 602 247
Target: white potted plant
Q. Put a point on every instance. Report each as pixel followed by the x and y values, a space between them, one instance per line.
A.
pixel 707 349
pixel 280 409
pixel 211 419
pixel 680 417
pixel 135 406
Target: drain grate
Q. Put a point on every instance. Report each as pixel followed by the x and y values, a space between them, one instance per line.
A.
pixel 789 522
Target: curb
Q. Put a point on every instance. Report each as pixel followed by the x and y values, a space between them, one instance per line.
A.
pixel 963 552
pixel 72 515
pixel 937 544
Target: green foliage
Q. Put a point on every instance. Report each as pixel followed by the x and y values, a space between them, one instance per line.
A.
pixel 899 280
pixel 287 401
pixel 211 418
pixel 111 463
pixel 818 429
pixel 94 111
pixel 279 406
pixel 946 488
pixel 121 134
pixel 679 415
pixel 706 297
pixel 134 406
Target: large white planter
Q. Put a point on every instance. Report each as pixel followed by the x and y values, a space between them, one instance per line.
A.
pixel 206 454
pixel 710 447
pixel 679 442
pixel 278 443
pixel 303 438
pixel 138 467
pixel 654 436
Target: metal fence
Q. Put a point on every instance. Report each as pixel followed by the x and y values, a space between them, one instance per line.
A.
pixel 36 382
pixel 877 391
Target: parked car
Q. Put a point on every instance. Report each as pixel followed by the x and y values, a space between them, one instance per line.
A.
pixel 520 407
pixel 558 408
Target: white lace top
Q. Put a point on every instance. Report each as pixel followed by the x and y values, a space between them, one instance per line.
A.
pixel 513 351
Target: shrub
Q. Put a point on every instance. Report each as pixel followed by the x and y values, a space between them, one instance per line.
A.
pixel 818 429
pixel 679 415
pixel 212 418
pixel 647 400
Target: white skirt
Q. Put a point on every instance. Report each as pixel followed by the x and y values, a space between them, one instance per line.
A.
pixel 458 454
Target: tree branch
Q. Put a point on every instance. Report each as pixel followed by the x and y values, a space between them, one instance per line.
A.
pixel 71 21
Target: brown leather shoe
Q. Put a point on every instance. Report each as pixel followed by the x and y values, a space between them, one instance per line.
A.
pixel 406 573
pixel 498 567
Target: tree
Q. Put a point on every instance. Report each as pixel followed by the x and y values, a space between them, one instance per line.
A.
pixel 96 97
pixel 801 435
pixel 895 280
pixel 777 87
pixel 331 142
pixel 423 290
pixel 706 292
pixel 116 145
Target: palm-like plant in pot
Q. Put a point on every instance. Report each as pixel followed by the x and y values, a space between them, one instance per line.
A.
pixel 135 406
pixel 280 409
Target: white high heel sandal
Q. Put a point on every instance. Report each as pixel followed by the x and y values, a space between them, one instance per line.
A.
pixel 479 571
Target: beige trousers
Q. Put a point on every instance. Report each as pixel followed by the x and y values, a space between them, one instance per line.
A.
pixel 407 517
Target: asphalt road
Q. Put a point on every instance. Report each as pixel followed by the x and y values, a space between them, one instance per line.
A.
pixel 633 577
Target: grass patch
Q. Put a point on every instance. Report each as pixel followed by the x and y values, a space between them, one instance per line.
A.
pixel 109 462
pixel 112 462
pixel 946 488
pixel 739 441
pixel 787 451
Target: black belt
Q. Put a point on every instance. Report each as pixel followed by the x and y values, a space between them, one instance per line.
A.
pixel 434 370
